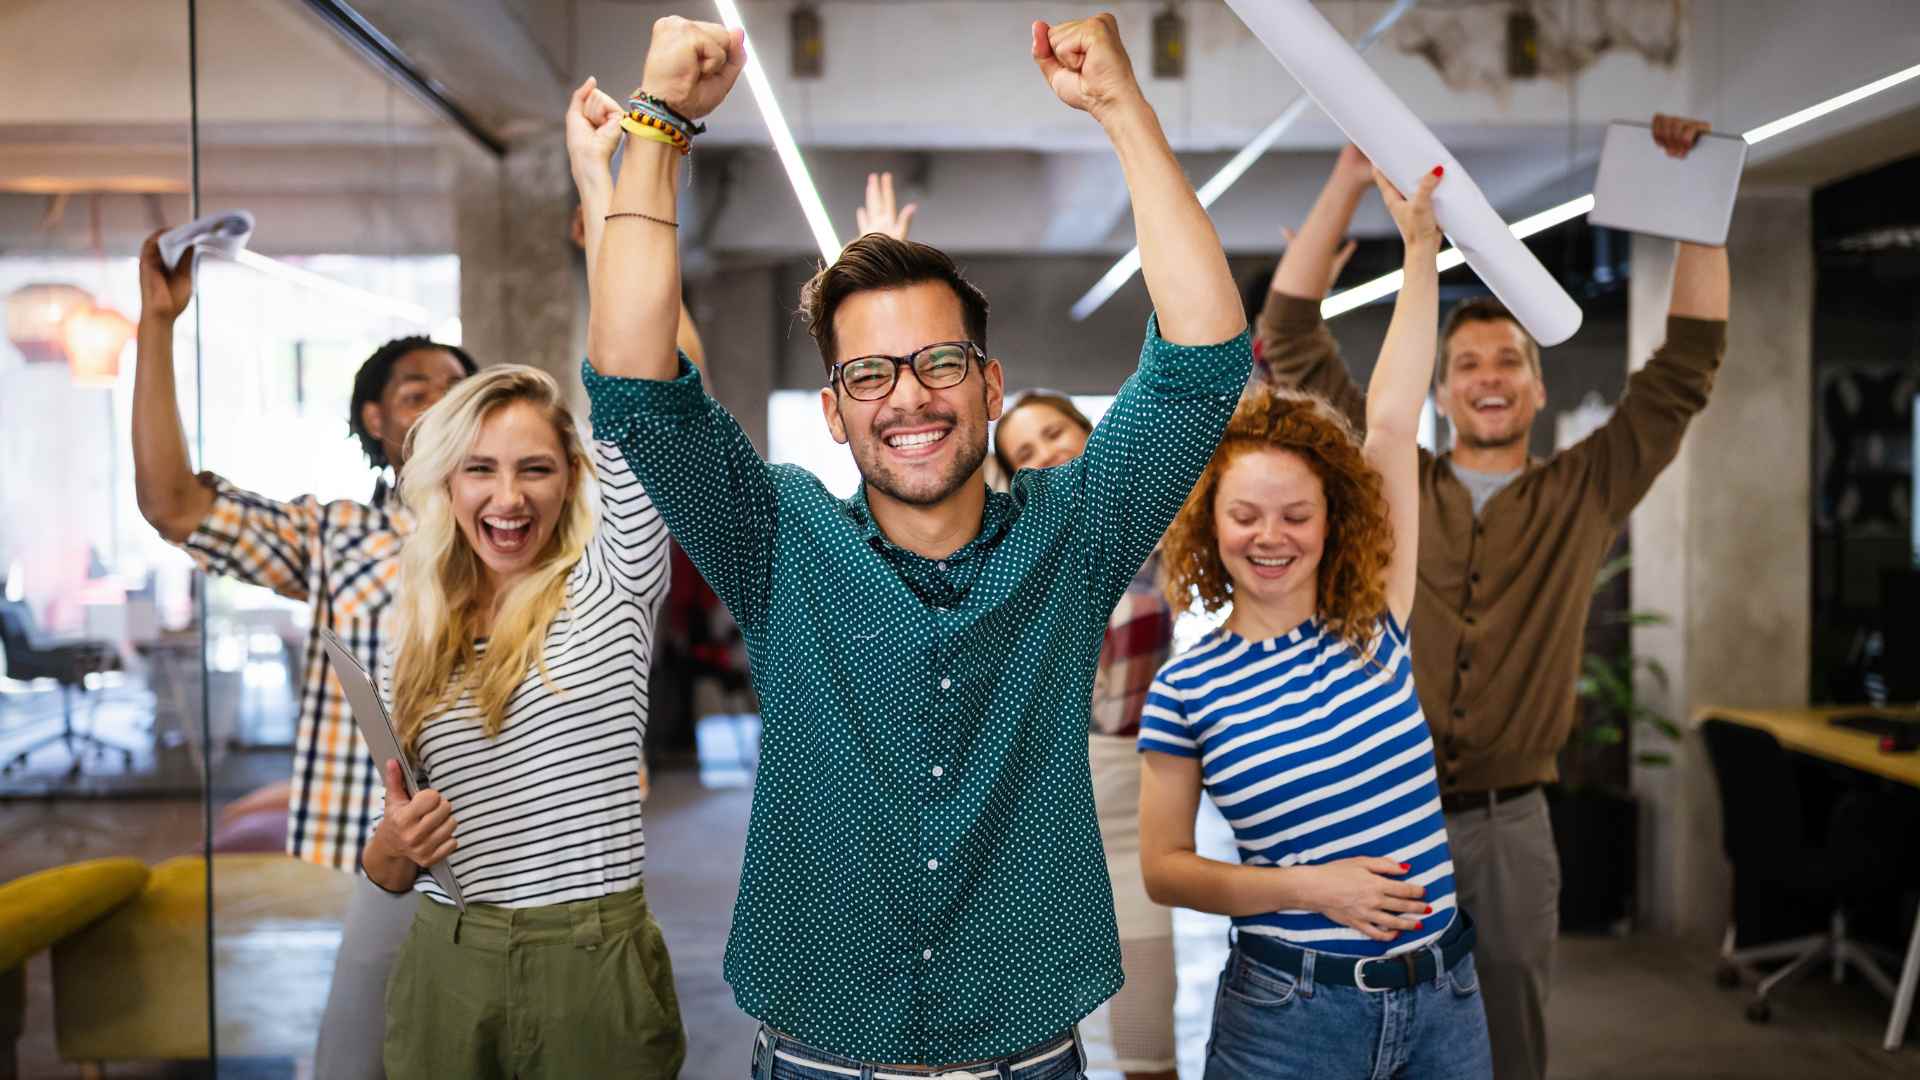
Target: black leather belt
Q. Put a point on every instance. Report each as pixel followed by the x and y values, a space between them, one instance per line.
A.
pixel 1397 972
pixel 1455 802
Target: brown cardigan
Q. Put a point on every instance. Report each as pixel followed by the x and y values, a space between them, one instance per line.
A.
pixel 1500 614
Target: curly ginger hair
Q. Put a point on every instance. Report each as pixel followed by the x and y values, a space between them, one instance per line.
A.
pixel 1351 593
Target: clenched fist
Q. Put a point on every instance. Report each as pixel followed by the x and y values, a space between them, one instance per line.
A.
pixel 692 65
pixel 1086 64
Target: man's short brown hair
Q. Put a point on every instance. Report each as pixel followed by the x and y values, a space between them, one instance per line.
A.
pixel 1482 309
pixel 878 261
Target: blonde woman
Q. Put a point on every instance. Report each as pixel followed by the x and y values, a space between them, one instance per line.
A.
pixel 519 688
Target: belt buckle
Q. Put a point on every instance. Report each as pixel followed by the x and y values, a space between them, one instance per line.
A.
pixel 1360 979
pixel 1406 960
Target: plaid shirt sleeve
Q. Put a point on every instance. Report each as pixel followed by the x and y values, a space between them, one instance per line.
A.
pixel 257 540
pixel 1139 637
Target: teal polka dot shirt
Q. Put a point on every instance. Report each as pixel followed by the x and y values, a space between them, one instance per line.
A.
pixel 924 882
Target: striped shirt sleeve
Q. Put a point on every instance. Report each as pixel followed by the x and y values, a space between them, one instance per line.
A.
pixel 1163 721
pixel 630 535
pixel 258 540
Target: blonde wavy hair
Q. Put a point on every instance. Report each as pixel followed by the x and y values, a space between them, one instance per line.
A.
pixel 1351 591
pixel 441 576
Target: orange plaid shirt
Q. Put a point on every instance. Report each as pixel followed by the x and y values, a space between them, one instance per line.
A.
pixel 342 558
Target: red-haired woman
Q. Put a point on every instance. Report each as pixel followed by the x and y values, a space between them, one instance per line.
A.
pixel 1298 718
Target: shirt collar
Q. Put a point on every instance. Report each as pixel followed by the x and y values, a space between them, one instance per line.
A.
pixel 995 517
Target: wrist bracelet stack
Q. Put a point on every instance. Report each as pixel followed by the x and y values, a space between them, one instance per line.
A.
pixel 648 117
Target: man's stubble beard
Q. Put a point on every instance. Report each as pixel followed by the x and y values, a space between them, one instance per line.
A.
pixel 965 463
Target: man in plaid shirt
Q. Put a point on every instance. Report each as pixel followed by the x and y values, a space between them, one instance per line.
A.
pixel 340 557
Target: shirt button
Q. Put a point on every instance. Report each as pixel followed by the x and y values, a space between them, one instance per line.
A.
pixel 926 954
pixel 942 564
pixel 1459 714
pixel 933 864
pixel 1476 577
pixel 1463 665
pixel 946 684
pixel 938 772
pixel 1471 620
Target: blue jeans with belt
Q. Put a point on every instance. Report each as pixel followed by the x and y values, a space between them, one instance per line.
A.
pixel 781 1057
pixel 1269 1025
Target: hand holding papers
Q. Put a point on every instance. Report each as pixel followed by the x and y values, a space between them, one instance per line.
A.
pixel 226 233
pixel 403 788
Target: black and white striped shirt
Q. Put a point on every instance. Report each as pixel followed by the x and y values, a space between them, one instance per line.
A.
pixel 549 812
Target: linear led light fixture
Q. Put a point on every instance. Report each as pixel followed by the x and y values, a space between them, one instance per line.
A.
pixel 307 279
pixel 1387 284
pixel 783 143
pixel 1122 272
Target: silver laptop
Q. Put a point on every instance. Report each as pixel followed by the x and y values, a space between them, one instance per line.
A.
pixel 1641 189
pixel 370 713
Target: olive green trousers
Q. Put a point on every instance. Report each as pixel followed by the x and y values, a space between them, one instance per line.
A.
pixel 569 990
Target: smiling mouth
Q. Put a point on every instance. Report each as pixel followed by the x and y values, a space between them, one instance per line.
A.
pixel 507 535
pixel 1491 403
pixel 917 442
pixel 1273 566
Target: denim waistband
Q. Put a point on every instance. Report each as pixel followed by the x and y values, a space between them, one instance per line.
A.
pixel 775 1044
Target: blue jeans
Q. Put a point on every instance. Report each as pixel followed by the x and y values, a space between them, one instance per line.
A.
pixel 1269 1025
pixel 1069 1064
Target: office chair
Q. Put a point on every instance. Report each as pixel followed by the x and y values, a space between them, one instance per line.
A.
pixel 1776 864
pixel 28 656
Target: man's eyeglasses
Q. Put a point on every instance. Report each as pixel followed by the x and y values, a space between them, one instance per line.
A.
pixel 937 366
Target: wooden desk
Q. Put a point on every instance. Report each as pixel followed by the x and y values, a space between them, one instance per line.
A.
pixel 1810 732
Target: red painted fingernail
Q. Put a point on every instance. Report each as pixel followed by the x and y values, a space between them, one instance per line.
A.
pixel 1417 926
pixel 1439 170
pixel 1404 868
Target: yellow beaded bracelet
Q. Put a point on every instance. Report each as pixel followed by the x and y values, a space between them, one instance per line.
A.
pixel 634 127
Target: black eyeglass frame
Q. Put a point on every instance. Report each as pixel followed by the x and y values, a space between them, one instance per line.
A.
pixel 975 354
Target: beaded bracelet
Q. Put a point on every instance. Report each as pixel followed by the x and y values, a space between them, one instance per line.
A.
pixel 637 109
pixel 642 97
pixel 646 127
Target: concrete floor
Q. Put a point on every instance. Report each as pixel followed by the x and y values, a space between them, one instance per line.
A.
pixel 1637 1006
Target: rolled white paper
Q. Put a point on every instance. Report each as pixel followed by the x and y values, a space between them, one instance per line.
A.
pixel 226 232
pixel 1382 126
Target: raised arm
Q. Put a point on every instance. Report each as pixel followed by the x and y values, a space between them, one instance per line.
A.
pixel 1315 254
pixel 1398 389
pixel 1702 283
pixel 1644 433
pixel 593 136
pixel 1295 347
pixel 633 268
pixel 171 497
pixel 1180 255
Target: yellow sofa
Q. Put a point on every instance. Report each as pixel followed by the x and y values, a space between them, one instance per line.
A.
pixel 41 910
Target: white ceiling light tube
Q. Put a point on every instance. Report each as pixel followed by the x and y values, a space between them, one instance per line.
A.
pixel 1387 284
pixel 783 143
pixel 1122 272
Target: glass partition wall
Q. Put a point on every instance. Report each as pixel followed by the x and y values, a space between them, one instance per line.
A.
pixel 102 813
pixel 161 722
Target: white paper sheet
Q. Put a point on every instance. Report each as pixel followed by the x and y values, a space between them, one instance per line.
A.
pixel 226 232
pixel 1382 126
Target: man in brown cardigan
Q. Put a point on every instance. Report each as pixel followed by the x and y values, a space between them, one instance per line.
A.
pixel 1509 546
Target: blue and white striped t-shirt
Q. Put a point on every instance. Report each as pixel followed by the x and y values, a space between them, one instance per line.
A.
pixel 1313 754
